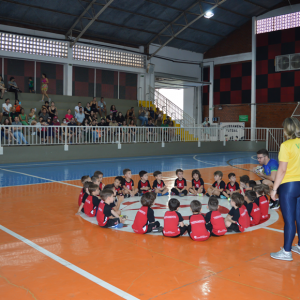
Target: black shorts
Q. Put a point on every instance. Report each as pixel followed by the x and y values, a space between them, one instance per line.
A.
pixel 261 181
pixel 111 222
pixel 209 227
pixel 5 114
pixel 233 228
pixel 94 109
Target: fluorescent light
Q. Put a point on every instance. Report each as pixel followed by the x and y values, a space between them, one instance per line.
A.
pixel 208 14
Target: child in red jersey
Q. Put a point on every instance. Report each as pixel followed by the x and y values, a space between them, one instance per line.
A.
pixel 91 202
pixel 262 201
pixel 86 192
pixel 252 208
pixel 173 221
pixel 197 184
pixel 218 187
pixel 128 187
pixel 144 184
pixel 238 218
pixel 84 179
pixel 144 221
pixel 159 187
pixel 232 186
pixel 180 187
pixel 244 184
pixel 214 220
pixel 118 199
pixel 118 185
pixel 197 227
pixel 99 174
pixel 106 216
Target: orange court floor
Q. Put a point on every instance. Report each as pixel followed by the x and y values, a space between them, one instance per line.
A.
pixel 48 252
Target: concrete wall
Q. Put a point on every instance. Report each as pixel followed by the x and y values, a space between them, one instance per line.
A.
pixel 25 154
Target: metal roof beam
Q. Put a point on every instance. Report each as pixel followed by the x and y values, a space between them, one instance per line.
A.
pixel 79 18
pixel 217 3
pixel 256 4
pixel 91 21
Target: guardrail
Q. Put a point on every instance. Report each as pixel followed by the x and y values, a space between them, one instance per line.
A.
pixel 22 135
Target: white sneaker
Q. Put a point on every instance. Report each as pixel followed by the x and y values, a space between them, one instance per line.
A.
pixel 282 255
pixel 33 133
pixel 296 249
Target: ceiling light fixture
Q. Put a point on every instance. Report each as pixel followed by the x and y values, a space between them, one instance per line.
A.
pixel 208 14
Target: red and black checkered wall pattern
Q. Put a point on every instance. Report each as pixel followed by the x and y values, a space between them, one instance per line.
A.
pixel 106 83
pixel 21 70
pixel 274 86
pixel 232 84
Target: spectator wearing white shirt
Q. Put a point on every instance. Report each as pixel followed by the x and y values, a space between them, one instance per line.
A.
pixel 102 107
pixel 79 117
pixel 77 108
pixel 6 109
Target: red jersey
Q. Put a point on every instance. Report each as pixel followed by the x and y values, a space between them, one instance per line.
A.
pixel 118 190
pixel 140 222
pixel 233 188
pixel 80 197
pixel 198 228
pixel 255 215
pixel 244 190
pixel 244 219
pixel 197 184
pixel 101 186
pixel 158 185
pixel 88 207
pixel 217 223
pixel 101 218
pixel 171 221
pixel 263 203
pixel 180 184
pixel 129 184
pixel 143 185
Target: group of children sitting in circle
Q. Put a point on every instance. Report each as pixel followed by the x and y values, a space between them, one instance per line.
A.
pixel 249 204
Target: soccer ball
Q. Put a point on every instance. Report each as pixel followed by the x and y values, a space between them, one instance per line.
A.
pixel 259 169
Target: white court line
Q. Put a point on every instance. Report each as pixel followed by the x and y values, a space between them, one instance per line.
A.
pixel 108 160
pixel 70 266
pixel 274 229
pixel 194 157
pixel 41 178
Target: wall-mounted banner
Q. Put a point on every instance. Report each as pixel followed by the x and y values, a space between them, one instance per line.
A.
pixel 234 131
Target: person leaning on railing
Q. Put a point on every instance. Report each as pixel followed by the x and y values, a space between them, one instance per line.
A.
pixel 6 132
pixel 17 132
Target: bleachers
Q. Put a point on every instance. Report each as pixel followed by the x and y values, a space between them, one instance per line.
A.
pixel 63 103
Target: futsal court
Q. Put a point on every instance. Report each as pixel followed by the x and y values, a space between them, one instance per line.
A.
pixel 48 252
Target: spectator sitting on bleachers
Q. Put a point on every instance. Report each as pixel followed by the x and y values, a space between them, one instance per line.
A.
pixel 130 115
pixel 110 117
pixel 32 117
pixel 151 114
pixel 113 111
pixel 142 116
pixel 2 87
pixel 13 87
pixel 56 127
pixel 120 118
pixel 17 106
pixel 158 117
pixel 44 115
pixel 93 117
pixel 6 109
pixel 151 133
pixel 102 107
pixel 23 117
pixel 87 111
pixel 94 106
pixel 6 132
pixel 69 116
pixel 52 110
pixel 12 115
pixel 77 108
pixel 79 117
pixel 17 132
pixel 45 106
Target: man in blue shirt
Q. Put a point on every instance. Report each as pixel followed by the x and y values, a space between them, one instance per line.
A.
pixel 270 167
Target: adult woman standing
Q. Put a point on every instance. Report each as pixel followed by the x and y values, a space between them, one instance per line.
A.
pixel 44 87
pixel 288 178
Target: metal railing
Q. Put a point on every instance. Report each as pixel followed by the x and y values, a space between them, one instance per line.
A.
pixel 13 135
pixel 170 109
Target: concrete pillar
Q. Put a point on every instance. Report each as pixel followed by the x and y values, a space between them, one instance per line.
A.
pixel 253 80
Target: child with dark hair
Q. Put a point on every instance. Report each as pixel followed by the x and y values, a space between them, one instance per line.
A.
pixel 128 187
pixel 232 186
pixel 84 179
pixel 252 184
pixel 91 202
pixel 218 187
pixel 95 180
pixel 173 221
pixel 180 186
pixel 159 186
pixel 238 218
pixel 116 204
pixel 244 183
pixel 106 216
pixel 144 221
pixel 99 174
pixel 86 193
pixel 214 220
pixel 118 185
pixel 144 184
pixel 252 208
pixel 197 184
pixel 197 227
pixel 262 200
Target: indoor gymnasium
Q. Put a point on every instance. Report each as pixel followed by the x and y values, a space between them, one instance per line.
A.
pixel 149 149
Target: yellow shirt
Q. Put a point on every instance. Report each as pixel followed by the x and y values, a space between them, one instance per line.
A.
pixel 290 153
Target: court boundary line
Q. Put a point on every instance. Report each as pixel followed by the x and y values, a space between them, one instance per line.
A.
pixel 70 266
pixel 275 229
